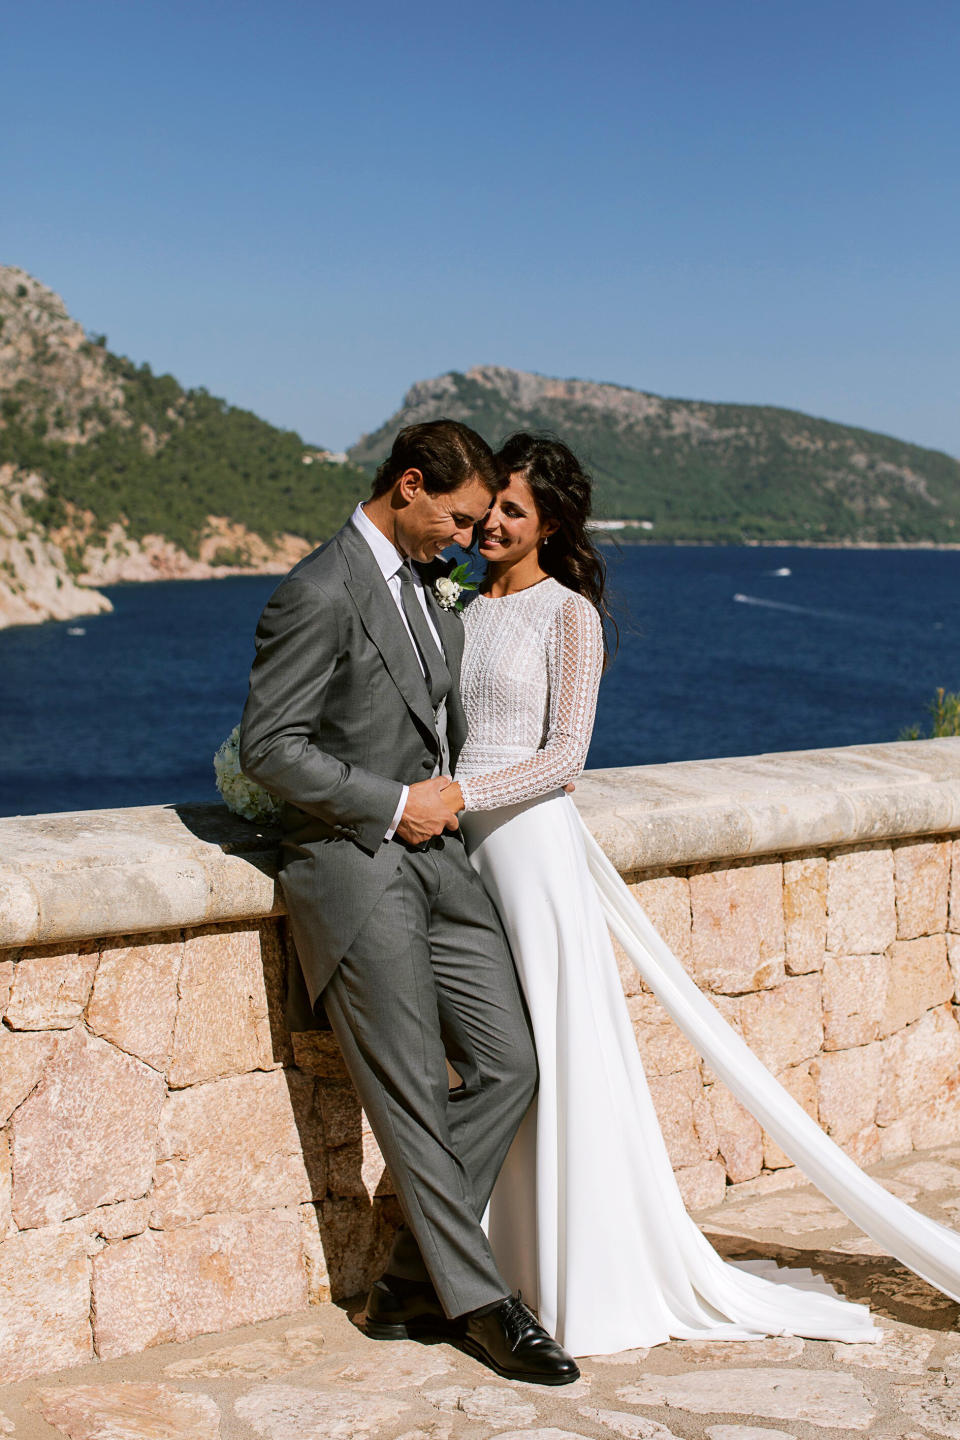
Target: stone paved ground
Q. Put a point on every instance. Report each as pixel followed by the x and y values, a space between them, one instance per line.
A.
pixel 313 1376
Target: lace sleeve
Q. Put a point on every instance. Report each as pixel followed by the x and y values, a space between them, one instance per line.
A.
pixel 574 667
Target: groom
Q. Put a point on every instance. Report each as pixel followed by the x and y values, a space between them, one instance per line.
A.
pixel 354 719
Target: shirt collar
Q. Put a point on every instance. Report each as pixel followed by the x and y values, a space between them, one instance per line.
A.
pixel 385 553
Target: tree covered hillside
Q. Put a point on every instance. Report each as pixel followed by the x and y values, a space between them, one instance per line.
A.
pixel 701 471
pixel 112 439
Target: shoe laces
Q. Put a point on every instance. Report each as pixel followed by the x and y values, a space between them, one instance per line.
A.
pixel 517 1319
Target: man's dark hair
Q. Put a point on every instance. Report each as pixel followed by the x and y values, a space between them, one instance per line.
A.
pixel 446 452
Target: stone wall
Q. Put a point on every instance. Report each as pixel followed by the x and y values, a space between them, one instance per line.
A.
pixel 841 970
pixel 173 1161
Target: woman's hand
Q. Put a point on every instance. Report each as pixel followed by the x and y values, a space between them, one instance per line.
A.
pixel 452 795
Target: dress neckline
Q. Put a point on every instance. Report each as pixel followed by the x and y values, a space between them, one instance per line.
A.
pixel 515 594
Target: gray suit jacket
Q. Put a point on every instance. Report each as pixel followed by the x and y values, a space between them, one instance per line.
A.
pixel 337 720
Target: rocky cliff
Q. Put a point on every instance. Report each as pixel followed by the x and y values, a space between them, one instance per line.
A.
pixel 109 473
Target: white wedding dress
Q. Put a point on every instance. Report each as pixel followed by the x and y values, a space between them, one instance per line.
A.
pixel 586 1218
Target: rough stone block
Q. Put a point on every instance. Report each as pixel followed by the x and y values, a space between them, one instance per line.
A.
pixel 685 1117
pixel 127 1409
pixel 223 1024
pixel 630 978
pixel 23 1058
pixel 317 1052
pixel 50 987
pixel 267 1355
pixel 784 1026
pixel 87 1135
pixel 919 979
pixel 665 900
pixel 290 1412
pixel 277 957
pixel 864 1148
pixel 343 1119
pixel 221 1272
pixel 801 1086
pixel 737 938
pixel 805 913
pixel 663 1048
pixel 357 1239
pixel 953 956
pixel 922 874
pixel 848 1084
pixel 358 1168
pixel 954 915
pixel 861 902
pixel 130 1312
pixel 6 1185
pixel 729 1008
pixel 702 1186
pixel 918 1063
pixel 854 999
pixel 118 1222
pixel 831 1399
pixel 134 1000
pixel 44 1303
pixel 6 980
pixel 739 1137
pixel 315 1261
pixel 233 1271
pixel 895 1139
pixel 937 1122
pixel 230 1146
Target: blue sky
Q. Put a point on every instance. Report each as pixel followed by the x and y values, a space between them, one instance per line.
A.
pixel 307 207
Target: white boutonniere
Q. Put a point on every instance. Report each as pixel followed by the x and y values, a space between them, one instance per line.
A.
pixel 448 589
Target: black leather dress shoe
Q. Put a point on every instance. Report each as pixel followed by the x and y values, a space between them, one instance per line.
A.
pixel 404 1310
pixel 511 1341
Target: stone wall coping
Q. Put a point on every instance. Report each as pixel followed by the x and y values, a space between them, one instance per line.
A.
pixel 659 816
pixel 76 876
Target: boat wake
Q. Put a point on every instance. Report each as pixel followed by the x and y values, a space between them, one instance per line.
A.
pixel 792 609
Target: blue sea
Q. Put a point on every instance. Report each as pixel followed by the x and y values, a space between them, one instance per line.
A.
pixel 723 651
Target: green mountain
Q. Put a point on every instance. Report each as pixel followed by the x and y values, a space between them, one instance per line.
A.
pixel 109 472
pixel 706 472
pixel 115 444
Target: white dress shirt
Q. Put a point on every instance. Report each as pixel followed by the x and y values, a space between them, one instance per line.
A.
pixel 390 561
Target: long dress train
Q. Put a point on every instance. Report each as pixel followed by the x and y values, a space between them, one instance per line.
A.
pixel 587 1218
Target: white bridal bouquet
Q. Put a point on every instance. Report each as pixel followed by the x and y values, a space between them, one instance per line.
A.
pixel 242 796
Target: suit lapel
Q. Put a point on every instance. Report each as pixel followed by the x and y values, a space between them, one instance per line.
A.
pixel 381 621
pixel 450 629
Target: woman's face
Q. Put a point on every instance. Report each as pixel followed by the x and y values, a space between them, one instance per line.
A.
pixel 512 526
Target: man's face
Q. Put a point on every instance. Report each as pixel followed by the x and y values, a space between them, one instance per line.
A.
pixel 430 523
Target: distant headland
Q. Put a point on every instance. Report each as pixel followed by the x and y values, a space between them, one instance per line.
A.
pixel 110 473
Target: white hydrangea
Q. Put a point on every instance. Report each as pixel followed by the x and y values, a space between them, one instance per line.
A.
pixel 242 796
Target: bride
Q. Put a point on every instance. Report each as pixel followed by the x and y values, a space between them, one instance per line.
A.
pixel 586 1218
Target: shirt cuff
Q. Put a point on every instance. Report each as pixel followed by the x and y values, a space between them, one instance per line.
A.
pixel 398 813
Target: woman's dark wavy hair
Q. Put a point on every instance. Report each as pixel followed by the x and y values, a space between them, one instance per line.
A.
pixel 561 490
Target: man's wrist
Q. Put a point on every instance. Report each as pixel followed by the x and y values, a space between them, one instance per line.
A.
pixel 398 813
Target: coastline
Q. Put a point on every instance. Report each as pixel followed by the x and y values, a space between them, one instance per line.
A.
pixel 81 597
pixel 614 538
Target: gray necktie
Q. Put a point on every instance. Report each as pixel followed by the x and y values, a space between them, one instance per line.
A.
pixel 436 673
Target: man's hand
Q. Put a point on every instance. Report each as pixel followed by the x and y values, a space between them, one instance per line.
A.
pixel 427 812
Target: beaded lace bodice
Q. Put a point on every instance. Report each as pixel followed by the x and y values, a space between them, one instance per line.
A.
pixel 531 670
